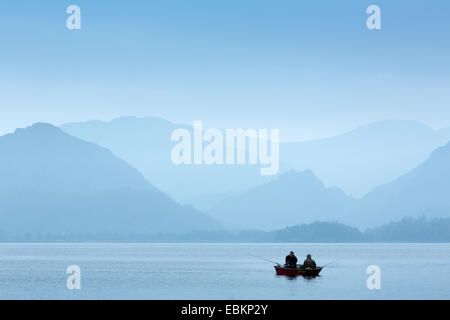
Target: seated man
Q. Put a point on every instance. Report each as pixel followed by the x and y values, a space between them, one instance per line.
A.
pixel 291 260
pixel 309 263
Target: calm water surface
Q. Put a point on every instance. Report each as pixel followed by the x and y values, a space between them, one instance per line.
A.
pixel 220 271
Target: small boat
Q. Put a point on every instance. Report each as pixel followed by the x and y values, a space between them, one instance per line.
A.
pixel 291 272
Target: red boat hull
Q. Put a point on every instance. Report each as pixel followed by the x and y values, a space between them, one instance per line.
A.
pixel 282 271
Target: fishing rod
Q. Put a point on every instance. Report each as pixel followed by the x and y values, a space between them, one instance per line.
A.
pixel 329 264
pixel 264 259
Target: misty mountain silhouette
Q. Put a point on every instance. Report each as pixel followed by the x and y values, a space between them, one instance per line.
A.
pixel 290 199
pixel 425 190
pixel 368 156
pixel 300 197
pixel 145 144
pixel 53 182
pixel 356 161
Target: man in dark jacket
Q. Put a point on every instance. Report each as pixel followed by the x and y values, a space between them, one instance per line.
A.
pixel 309 263
pixel 291 260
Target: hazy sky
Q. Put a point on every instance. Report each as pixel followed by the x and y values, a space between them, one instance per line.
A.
pixel 309 68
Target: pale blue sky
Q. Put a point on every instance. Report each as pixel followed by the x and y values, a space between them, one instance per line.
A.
pixel 310 68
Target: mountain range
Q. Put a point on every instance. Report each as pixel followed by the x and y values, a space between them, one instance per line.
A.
pixel 356 162
pixel 349 178
pixel 300 197
pixel 52 182
pixel 368 156
pixel 146 144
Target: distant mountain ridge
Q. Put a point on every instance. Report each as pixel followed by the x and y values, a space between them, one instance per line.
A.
pixel 53 182
pixel 289 199
pixel 359 161
pixel 368 156
pixel 425 190
pixel 356 162
pixel 42 146
pixel 146 144
pixel 300 197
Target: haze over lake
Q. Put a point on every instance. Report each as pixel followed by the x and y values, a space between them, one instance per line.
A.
pixel 220 271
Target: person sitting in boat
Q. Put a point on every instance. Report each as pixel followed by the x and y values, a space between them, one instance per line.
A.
pixel 291 260
pixel 309 263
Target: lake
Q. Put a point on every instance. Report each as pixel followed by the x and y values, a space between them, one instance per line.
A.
pixel 220 271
